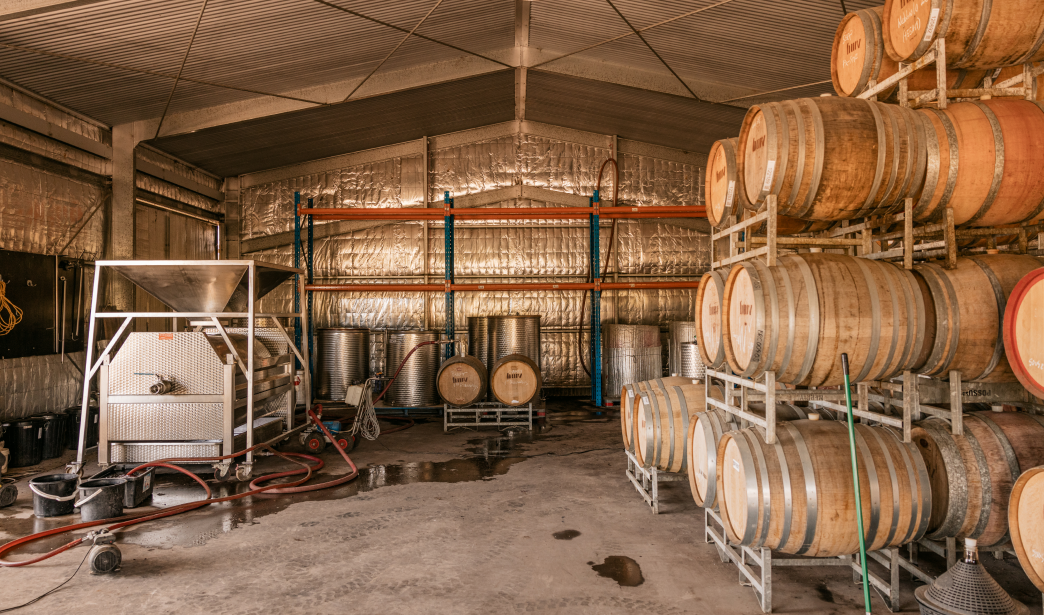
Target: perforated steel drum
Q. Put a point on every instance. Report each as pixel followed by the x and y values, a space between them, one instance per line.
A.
pixel 415 385
pixel 479 340
pixel 515 334
pixel 343 359
pixel 690 364
pixel 378 344
pixel 678 333
pixel 630 353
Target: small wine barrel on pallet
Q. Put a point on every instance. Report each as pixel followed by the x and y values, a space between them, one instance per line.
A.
pixel 662 416
pixel 796 318
pixel 726 197
pixel 972 475
pixel 1027 523
pixel 705 432
pixel 832 158
pixel 978 34
pixel 628 406
pixel 983 158
pixel 967 305
pixel 858 56
pixel 1024 331
pixel 462 381
pixel 515 380
pixel 797 496
pixel 708 319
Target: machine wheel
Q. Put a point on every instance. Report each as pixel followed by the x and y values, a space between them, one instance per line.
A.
pixel 8 492
pixel 244 472
pixel 223 473
pixel 345 441
pixel 315 443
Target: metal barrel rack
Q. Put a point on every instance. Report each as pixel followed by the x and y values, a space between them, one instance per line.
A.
pixel 487 414
pixel 206 293
pixel 448 214
pixel 647 479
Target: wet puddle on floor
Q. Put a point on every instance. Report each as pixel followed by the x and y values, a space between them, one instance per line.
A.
pixel 566 535
pixel 623 570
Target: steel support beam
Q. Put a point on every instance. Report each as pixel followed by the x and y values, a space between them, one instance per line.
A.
pixel 120 242
pixel 18 9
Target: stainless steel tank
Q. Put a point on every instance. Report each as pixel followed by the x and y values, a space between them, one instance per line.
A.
pixel 479 340
pixel 690 364
pixel 630 353
pixel 378 345
pixel 343 359
pixel 415 385
pixel 516 334
pixel 678 332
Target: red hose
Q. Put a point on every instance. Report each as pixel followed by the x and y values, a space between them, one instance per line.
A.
pixel 396 374
pixel 129 520
pixel 605 267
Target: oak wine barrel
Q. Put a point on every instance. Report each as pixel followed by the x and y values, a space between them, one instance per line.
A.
pixel 705 432
pixel 1024 331
pixel 858 57
pixel 628 394
pixel 972 475
pixel 983 162
pixel 796 318
pixel 832 158
pixel 461 380
pixel 662 415
pixel 1026 520
pixel 978 34
pixel 797 496
pixel 708 319
pixel 515 380
pixel 968 305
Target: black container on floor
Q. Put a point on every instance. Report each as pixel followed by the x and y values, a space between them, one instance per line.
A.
pixel 25 441
pixel 54 428
pixel 58 485
pixel 139 486
pixel 72 431
pixel 104 505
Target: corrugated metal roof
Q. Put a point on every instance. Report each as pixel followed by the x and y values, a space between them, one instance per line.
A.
pixel 320 132
pixel 631 113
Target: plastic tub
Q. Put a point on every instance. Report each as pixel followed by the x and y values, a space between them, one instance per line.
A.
pixel 53 494
pixel 54 429
pixel 25 441
pixel 101 498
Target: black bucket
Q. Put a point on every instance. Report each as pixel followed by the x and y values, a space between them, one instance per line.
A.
pixel 54 494
pixel 54 428
pixel 106 504
pixel 72 430
pixel 25 441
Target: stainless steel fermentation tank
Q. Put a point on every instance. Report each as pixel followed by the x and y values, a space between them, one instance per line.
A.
pixel 193 394
pixel 342 359
pixel 681 361
pixel 630 353
pixel 514 334
pixel 415 385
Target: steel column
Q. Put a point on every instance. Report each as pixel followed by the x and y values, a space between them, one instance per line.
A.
pixel 297 265
pixel 448 234
pixel 596 308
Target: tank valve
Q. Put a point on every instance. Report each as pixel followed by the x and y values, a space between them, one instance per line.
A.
pixel 162 386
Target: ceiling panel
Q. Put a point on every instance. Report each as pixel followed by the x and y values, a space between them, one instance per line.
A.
pixel 330 130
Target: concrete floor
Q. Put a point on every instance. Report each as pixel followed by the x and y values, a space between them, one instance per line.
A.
pixel 459 523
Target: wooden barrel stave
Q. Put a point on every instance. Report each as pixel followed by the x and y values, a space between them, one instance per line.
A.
pixel 844 157
pixel 662 415
pixel 793 497
pixel 515 380
pixel 708 319
pixel 1024 331
pixel 972 475
pixel 628 407
pixel 977 35
pixel 462 380
pixel 794 319
pixel 968 303
pixel 1027 523
pixel 983 159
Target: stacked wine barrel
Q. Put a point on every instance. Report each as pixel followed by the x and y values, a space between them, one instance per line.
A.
pixel 654 417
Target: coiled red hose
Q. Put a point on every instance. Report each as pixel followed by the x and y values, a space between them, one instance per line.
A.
pixel 129 520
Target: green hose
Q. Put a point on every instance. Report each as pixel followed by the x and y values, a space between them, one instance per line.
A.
pixel 855 482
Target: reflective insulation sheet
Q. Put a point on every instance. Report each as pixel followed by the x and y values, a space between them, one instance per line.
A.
pixel 37 385
pixel 492 251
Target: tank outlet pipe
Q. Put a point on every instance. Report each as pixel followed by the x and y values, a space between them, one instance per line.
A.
pixel 855 483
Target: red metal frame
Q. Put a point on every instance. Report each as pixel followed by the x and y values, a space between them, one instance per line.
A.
pixel 387 288
pixel 504 213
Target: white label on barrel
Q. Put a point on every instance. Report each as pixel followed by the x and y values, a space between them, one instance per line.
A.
pixel 770 169
pixel 514 401
pixel 728 194
pixel 736 465
pixel 933 19
pixel 630 393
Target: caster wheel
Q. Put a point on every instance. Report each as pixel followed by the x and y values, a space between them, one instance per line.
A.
pixel 345 442
pixel 315 444
pixel 243 473
pixel 222 474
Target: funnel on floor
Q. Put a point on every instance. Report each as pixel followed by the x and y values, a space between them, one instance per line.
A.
pixel 967 589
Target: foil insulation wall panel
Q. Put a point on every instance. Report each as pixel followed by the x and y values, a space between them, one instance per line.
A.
pixel 491 251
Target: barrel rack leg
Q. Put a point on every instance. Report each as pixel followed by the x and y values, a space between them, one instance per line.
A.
pixel 646 480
